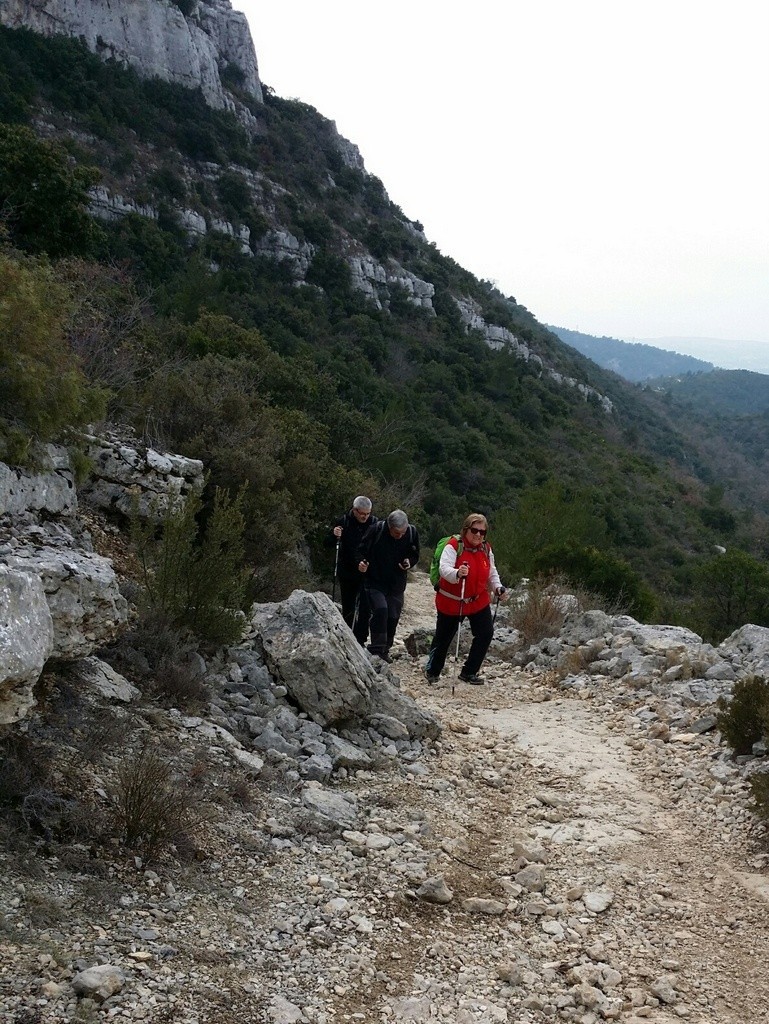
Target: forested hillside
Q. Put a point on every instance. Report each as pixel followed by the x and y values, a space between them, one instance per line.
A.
pixel 722 392
pixel 635 361
pixel 299 394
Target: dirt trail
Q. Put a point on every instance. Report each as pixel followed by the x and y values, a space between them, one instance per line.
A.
pixel 686 926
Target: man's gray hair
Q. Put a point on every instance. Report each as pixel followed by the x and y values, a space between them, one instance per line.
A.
pixel 362 503
pixel 398 519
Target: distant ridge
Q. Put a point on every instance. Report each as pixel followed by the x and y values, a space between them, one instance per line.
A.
pixel 720 393
pixel 731 355
pixel 635 361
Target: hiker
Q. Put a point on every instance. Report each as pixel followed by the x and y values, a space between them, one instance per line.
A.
pixel 466 560
pixel 387 552
pixel 348 532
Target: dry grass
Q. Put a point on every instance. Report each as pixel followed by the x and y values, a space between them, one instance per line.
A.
pixel 541 613
pixel 153 810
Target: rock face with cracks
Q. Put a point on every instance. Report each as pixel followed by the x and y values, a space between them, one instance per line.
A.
pixel 307 647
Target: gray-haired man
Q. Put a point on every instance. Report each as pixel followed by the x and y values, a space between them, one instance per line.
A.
pixel 387 552
pixel 348 531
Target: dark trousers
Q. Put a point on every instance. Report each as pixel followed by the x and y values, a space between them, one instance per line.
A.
pixel 482 628
pixel 386 610
pixel 352 593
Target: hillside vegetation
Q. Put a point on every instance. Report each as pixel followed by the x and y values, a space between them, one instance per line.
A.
pixel 635 361
pixel 298 396
pixel 719 393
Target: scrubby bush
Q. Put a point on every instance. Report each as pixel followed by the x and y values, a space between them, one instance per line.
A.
pixel 541 614
pixel 43 198
pixel 731 590
pixel 152 810
pixel 745 718
pixel 602 573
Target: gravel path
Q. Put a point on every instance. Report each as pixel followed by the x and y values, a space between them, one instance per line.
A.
pixel 549 860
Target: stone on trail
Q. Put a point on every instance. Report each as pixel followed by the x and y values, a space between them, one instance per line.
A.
pixel 99 982
pixel 309 649
pixel 480 905
pixel 598 901
pixel 435 890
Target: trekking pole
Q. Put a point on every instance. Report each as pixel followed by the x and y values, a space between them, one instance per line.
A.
pixel 496 609
pixel 336 567
pixel 357 609
pixel 459 633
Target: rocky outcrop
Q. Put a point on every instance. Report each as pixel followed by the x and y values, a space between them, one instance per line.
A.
pixel 111 207
pixel 282 246
pixel 153 37
pixel 497 337
pixel 51 491
pixel 80 587
pixel 26 641
pixel 307 648
pixel 58 598
pixel 378 282
pixel 130 477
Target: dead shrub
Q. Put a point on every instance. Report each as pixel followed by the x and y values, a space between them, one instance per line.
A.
pixel 24 767
pixel 103 733
pixel 154 810
pixel 541 614
pixel 180 684
pixel 52 816
pixel 579 660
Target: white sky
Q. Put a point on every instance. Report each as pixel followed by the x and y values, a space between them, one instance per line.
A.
pixel 606 164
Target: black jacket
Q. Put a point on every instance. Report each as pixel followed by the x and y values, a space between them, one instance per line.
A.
pixel 353 533
pixel 384 554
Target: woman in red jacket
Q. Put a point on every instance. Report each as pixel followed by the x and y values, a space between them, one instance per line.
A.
pixel 468 578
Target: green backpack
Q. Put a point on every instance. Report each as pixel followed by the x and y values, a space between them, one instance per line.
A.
pixel 435 571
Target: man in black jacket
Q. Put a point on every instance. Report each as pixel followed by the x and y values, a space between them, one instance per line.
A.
pixel 386 554
pixel 348 532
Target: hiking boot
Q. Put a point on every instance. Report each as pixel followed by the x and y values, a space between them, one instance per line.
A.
pixel 380 652
pixel 472 677
pixel 431 679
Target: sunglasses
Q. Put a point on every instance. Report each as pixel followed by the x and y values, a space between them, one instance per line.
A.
pixel 476 531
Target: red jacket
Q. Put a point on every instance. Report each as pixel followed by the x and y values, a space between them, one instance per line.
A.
pixel 482 577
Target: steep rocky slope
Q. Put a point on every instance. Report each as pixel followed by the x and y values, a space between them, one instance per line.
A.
pixel 155 37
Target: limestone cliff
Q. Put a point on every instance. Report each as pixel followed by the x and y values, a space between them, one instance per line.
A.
pixel 154 37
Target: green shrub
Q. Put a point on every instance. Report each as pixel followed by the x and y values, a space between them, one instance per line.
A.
pixel 44 200
pixel 197 581
pixel 731 590
pixel 745 718
pixel 602 573
pixel 42 389
pixel 235 194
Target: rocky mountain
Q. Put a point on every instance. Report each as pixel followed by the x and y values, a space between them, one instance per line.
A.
pixel 193 43
pixel 247 287
pixel 275 826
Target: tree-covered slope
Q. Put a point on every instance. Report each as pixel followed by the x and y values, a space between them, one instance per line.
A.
pixel 721 392
pixel 635 361
pixel 297 387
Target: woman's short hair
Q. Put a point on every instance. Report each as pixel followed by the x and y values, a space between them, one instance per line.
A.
pixel 473 520
pixel 362 503
pixel 398 519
